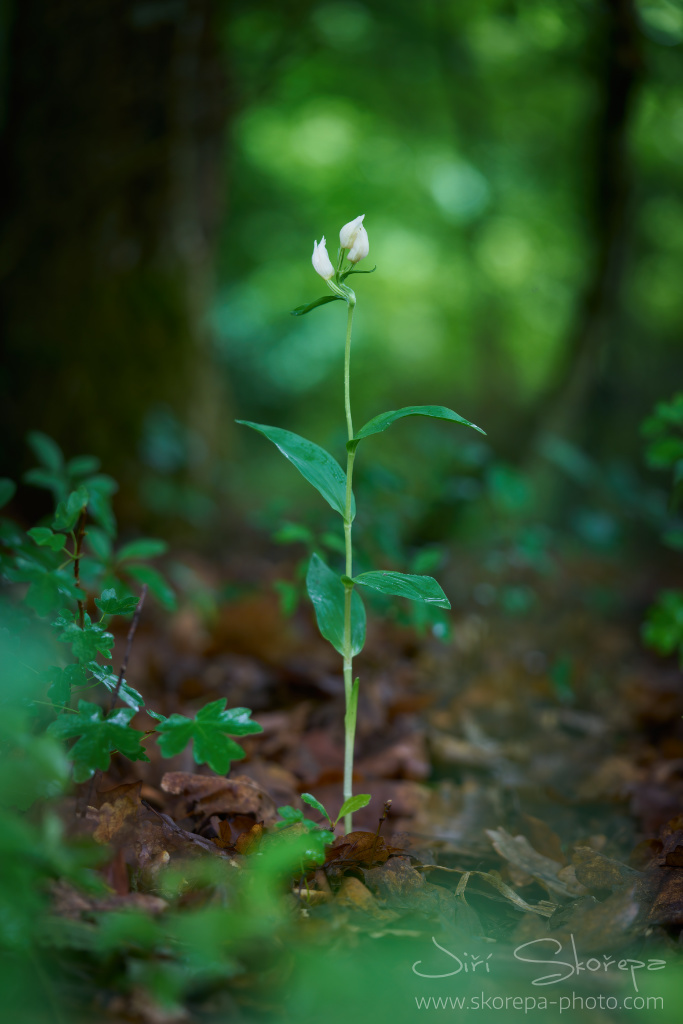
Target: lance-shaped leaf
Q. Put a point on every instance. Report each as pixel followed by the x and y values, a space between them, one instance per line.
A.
pixel 308 306
pixel 99 736
pixel 313 462
pixel 379 423
pixel 327 593
pixel 210 730
pixel 415 588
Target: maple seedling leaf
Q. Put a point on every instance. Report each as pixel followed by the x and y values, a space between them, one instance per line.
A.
pixel 99 736
pixel 211 730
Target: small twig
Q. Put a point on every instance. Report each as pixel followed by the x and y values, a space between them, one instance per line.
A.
pixel 129 644
pixel 114 697
pixel 79 538
pixel 387 808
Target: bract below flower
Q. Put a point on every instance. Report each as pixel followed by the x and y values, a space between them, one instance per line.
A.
pixel 321 261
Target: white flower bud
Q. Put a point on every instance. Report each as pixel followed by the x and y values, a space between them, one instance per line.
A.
pixel 347 235
pixel 321 261
pixel 361 246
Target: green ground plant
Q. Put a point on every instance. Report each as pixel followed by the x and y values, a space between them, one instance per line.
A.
pixel 663 429
pixel 76 580
pixel 339 609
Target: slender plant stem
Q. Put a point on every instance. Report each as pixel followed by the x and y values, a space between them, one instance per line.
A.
pixel 351 691
pixel 79 537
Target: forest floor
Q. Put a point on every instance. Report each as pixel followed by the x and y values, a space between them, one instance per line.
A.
pixel 534 764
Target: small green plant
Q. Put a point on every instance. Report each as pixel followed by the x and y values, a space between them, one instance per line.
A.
pixel 76 581
pixel 292 815
pixel 663 628
pixel 339 609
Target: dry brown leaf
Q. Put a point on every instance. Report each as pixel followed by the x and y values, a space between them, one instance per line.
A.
pixel 360 848
pixel 120 809
pixel 205 795
pixel 249 842
pixel 598 873
pixel 519 851
pixel 543 839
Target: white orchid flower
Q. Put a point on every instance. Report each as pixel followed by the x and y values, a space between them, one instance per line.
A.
pixel 321 261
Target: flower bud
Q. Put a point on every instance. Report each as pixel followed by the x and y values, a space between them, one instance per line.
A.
pixel 347 235
pixel 321 261
pixel 361 246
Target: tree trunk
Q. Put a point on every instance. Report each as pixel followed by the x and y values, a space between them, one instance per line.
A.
pixel 111 171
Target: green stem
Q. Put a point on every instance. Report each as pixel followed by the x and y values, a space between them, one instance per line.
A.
pixel 351 691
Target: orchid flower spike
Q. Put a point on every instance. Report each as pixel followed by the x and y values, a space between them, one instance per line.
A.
pixel 321 261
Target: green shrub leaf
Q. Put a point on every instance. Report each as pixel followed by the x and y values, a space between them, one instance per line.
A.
pixel 415 588
pixel 156 583
pixel 67 513
pixel 110 679
pixel 379 423
pixel 47 451
pixel 45 538
pixel 143 548
pixel 86 643
pixel 82 465
pixel 110 604
pixel 327 591
pixel 312 461
pixel 210 730
pixel 99 736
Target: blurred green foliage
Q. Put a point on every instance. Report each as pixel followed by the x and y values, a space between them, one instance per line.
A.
pixel 467 134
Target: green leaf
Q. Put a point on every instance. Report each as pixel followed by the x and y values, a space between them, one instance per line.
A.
pixel 379 423
pixel 354 803
pixel 111 604
pixel 156 583
pixel 99 736
pixel 99 542
pixel 155 715
pixel 210 730
pixel 307 307
pixel 110 679
pixel 63 679
pixel 327 591
pixel 415 588
pixel 46 451
pixel 100 488
pixel 293 533
pixel 7 490
pixel 86 643
pixel 67 513
pixel 44 478
pixel 313 462
pixel 82 465
pixel 293 816
pixel 45 538
pixel 143 548
pixel 309 799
